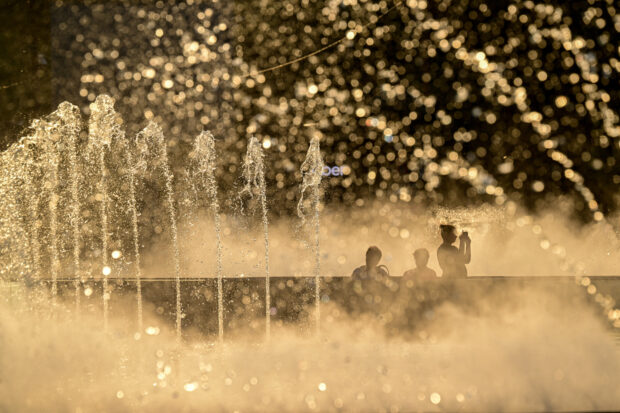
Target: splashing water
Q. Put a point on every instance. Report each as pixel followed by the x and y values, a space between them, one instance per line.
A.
pixel 133 171
pixel 311 170
pixel 29 167
pixel 254 177
pixel 71 129
pixel 21 166
pixel 48 134
pixel 203 156
pixel 152 136
pixel 26 162
pixel 103 128
pixel 15 245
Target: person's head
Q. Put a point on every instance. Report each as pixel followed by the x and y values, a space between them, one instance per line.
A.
pixel 421 257
pixel 448 233
pixel 373 256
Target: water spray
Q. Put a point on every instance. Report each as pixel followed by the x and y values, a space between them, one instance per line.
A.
pixel 311 171
pixel 151 138
pixel 103 127
pixel 254 177
pixel 203 173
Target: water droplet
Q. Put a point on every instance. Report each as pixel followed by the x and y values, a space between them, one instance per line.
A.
pixel 190 386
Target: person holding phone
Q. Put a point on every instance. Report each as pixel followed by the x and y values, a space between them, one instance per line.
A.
pixel 452 260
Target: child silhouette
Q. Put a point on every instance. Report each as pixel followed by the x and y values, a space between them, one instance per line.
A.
pixel 421 272
pixel 372 269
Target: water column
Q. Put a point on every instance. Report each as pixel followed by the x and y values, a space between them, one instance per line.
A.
pixel 254 178
pixel 133 170
pixel 69 116
pixel 203 178
pixel 47 136
pixel 16 258
pixel 311 171
pixel 153 137
pixel 29 167
pixel 104 125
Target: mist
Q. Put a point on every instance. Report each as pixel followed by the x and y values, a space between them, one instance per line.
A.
pixel 506 242
pixel 518 347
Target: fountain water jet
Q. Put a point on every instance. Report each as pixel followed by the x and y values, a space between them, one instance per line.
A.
pixel 32 201
pixel 311 170
pixel 152 136
pixel 48 135
pixel 133 170
pixel 70 115
pixel 103 128
pixel 15 246
pixel 203 173
pixel 254 177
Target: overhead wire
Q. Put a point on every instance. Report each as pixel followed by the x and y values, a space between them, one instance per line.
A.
pixel 324 48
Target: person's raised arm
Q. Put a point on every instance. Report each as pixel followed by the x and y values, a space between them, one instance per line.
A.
pixel 465 248
pixel 468 251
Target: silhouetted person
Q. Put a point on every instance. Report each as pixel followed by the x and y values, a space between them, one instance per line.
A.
pixel 421 272
pixel 452 260
pixel 372 269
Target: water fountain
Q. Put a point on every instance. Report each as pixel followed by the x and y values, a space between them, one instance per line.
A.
pixel 134 169
pixel 50 141
pixel 55 141
pixel 19 241
pixel 497 118
pixel 103 128
pixel 71 114
pixel 151 138
pixel 312 170
pixel 254 177
pixel 203 180
pixel 118 189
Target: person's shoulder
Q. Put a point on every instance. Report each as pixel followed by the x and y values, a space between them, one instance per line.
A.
pixel 447 248
pixel 409 273
pixel 359 271
pixel 442 250
pixel 430 273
